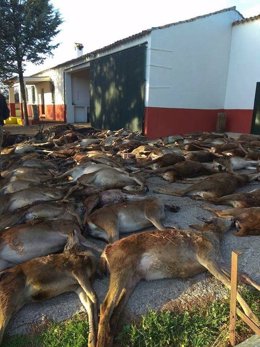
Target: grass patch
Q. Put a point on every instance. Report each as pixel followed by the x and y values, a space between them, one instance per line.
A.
pixel 205 327
pixel 73 332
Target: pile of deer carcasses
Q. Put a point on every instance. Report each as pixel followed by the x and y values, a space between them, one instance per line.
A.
pixel 73 201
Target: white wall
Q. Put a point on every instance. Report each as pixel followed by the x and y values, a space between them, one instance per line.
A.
pixel 189 63
pixel 56 75
pixel 244 67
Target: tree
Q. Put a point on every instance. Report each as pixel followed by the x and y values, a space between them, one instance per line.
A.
pixel 26 32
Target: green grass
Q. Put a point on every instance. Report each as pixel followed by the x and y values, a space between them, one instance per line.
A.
pixel 196 328
pixel 71 333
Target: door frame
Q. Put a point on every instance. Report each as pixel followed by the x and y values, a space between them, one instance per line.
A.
pixel 255 128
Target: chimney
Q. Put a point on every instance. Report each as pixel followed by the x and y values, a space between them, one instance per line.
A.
pixel 79 48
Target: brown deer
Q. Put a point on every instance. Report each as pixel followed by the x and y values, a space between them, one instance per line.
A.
pixel 162 161
pixel 14 201
pixel 233 163
pixel 184 169
pixel 156 255
pixel 239 200
pixel 109 221
pixel 26 241
pixel 48 210
pixel 201 156
pixel 247 220
pixel 49 276
pixel 214 186
pixel 107 178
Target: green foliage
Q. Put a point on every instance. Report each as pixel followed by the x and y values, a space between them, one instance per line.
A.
pixel 73 332
pixel 198 328
pixel 27 29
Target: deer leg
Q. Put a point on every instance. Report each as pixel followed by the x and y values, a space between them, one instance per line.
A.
pixel 121 287
pixel 75 215
pixel 216 271
pixel 92 316
pixel 244 278
pixel 112 230
pixel 153 215
pixel 71 190
pixel 10 304
pixel 86 286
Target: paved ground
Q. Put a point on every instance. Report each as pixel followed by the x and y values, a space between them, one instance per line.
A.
pixel 254 341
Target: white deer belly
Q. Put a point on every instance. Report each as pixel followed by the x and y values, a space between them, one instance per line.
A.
pixel 151 267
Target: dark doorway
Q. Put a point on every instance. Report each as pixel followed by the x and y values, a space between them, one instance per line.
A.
pixel 256 113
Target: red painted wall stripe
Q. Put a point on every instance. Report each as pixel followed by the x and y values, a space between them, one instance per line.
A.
pixel 239 121
pixel 169 121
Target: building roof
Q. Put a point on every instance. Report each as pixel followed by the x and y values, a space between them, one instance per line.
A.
pixel 137 36
pixel 246 20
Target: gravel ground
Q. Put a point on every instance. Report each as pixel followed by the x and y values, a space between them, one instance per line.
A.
pixel 159 294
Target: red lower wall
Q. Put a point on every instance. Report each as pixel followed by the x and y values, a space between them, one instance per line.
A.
pixel 53 113
pixel 12 109
pixel 169 121
pixel 239 121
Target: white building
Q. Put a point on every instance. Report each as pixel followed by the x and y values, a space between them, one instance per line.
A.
pixel 166 80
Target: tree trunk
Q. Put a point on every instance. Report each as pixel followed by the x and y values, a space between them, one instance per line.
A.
pixel 23 93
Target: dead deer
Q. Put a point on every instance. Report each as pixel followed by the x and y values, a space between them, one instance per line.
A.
pixel 239 200
pixel 184 169
pixel 162 161
pixel 234 163
pixel 48 210
pixel 247 220
pixel 214 186
pixel 107 178
pixel 16 186
pixel 156 255
pixel 85 168
pixel 110 221
pixel 26 241
pixel 201 156
pixel 27 174
pixel 46 277
pixel 29 196
pixel 108 197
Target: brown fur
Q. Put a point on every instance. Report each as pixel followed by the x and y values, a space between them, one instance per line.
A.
pixel 164 160
pixel 239 200
pixel 247 220
pixel 184 169
pixel 47 277
pixel 156 255
pixel 108 221
pixel 212 187
pixel 201 156
pixel 26 241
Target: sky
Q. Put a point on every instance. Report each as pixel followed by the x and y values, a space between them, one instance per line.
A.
pixel 98 23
